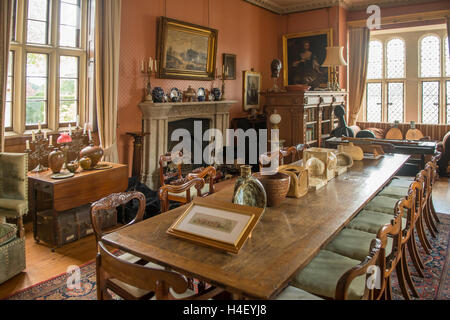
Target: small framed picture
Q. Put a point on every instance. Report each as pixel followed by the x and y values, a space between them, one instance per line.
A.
pixel 221 225
pixel 252 88
pixel 229 62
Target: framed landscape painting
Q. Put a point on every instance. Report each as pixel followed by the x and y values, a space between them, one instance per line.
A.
pixel 252 88
pixel 222 225
pixel 185 50
pixel 303 55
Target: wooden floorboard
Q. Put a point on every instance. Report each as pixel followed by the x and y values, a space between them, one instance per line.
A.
pixel 43 264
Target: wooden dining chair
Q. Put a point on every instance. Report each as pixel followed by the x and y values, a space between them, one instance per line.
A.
pixel 164 191
pixel 144 281
pixel 434 177
pixel 265 159
pixel 175 177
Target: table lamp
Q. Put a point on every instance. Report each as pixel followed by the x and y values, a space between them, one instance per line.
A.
pixel 334 59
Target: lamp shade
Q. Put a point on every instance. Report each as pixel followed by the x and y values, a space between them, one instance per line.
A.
pixel 335 57
pixel 64 138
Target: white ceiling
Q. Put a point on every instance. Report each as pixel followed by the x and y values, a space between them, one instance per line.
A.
pixel 289 6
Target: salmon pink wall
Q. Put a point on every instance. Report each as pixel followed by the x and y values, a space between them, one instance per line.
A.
pixel 252 33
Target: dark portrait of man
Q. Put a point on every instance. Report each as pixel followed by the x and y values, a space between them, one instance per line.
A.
pixel 252 90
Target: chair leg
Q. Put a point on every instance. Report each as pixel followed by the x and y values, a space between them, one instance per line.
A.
pixel 430 227
pixel 430 216
pixel 408 274
pixel 417 261
pixel 422 236
pixel 21 227
pixel 433 210
pixel 388 290
pixel 401 279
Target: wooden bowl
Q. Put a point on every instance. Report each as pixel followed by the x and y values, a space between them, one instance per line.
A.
pixel 276 186
pixel 298 87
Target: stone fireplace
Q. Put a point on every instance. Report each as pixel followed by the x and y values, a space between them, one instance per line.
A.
pixel 156 118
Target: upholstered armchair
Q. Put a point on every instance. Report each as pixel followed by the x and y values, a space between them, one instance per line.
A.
pixel 14 188
pixel 14 205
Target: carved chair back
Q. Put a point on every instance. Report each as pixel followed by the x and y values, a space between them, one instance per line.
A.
pixel 265 159
pixel 105 206
pixel 164 162
pixel 159 281
pixel 366 267
pixel 198 183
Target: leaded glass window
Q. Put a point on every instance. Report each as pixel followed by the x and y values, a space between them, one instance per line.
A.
pixel 374 99
pixel 375 67
pixel 430 57
pixel 430 102
pixel 395 59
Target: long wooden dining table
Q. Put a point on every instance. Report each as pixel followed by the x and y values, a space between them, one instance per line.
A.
pixel 283 242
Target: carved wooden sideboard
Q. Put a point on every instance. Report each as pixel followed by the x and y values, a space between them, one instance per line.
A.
pixel 306 117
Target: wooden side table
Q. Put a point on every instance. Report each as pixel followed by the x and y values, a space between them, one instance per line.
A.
pixel 54 202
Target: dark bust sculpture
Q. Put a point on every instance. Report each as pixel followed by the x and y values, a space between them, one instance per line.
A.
pixel 342 130
pixel 276 68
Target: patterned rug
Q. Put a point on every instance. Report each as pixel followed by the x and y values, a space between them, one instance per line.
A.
pixel 435 285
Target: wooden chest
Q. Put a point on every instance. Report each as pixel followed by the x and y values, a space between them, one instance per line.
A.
pixel 70 225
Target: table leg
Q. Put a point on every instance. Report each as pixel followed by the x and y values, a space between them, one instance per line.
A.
pixel 33 208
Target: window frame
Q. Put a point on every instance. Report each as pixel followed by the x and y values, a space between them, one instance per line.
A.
pixel 20 49
pixel 384 80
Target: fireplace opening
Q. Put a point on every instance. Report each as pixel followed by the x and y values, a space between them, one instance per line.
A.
pixel 189 124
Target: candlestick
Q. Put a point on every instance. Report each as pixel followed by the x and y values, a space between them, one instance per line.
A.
pixel 27 144
pixel 33 137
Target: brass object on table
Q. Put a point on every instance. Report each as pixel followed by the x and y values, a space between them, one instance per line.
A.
pixel 38 153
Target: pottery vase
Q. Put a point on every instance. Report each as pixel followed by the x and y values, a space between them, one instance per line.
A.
pixel 72 166
pixel 94 153
pixel 248 191
pixel 56 160
pixel 216 93
pixel 158 95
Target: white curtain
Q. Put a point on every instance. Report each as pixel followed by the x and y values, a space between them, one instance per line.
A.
pixel 6 7
pixel 107 51
pixel 448 33
pixel 359 39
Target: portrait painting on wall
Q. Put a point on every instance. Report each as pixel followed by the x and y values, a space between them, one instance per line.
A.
pixel 186 51
pixel 303 56
pixel 252 88
pixel 229 62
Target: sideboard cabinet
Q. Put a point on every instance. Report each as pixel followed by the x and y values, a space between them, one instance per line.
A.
pixel 306 117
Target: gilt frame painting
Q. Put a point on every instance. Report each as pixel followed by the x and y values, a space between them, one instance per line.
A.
pixel 303 55
pixel 186 51
pixel 251 90
pixel 221 225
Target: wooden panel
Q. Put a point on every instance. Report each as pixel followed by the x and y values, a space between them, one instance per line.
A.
pixel 285 240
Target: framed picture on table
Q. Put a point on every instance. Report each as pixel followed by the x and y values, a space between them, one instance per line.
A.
pixel 221 225
pixel 303 56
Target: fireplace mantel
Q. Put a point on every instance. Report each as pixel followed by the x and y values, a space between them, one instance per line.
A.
pixel 155 121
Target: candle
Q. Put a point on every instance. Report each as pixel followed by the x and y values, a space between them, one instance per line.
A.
pixel 78 121
pixel 45 135
pixel 156 65
pixel 28 144
pixel 143 66
pixel 33 137
pixel 39 126
pixel 85 128
pixel 150 64
pixel 70 130
pixel 223 70
pixel 90 136
pixel 51 140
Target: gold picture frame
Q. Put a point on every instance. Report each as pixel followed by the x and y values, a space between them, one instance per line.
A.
pixel 185 50
pixel 221 225
pixel 252 87
pixel 307 71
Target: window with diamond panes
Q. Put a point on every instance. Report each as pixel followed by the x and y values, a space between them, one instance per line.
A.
pixel 374 98
pixel 395 59
pixel 375 66
pixel 38 21
pixel 395 101
pixel 430 102
pixel 9 92
pixel 430 57
pixel 447 58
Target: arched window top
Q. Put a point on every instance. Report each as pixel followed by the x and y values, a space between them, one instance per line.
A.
pixel 395 58
pixel 430 56
pixel 375 66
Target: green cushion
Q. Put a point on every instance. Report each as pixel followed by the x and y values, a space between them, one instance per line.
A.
pixel 293 293
pixel 371 221
pixel 354 244
pixel 322 274
pixel 8 233
pixel 382 204
pixel 20 207
pixel 404 182
pixel 394 192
